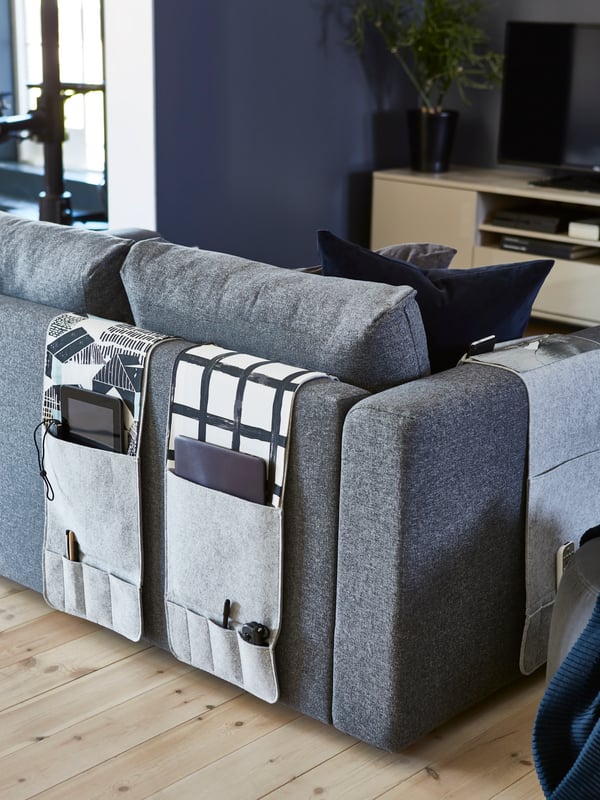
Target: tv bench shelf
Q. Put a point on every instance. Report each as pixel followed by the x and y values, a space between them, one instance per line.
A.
pixel 457 208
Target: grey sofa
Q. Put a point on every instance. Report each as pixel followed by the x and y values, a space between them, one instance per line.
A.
pixel 403 577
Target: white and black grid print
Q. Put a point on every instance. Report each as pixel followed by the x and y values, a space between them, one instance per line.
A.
pixel 237 401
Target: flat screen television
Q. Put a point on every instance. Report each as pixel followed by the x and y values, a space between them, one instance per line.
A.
pixel 550 111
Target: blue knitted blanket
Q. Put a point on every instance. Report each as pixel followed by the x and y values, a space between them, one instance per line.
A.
pixel 566 736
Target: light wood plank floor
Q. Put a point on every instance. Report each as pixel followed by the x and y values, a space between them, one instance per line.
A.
pixel 86 714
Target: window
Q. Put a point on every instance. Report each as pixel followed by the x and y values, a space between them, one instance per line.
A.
pixel 81 63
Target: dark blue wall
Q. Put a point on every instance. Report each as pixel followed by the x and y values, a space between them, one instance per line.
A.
pixel 267 127
pixel 264 127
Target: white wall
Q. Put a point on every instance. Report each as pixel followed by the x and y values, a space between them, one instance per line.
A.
pixel 130 135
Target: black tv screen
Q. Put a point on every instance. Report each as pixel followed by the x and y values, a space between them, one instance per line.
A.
pixel 550 113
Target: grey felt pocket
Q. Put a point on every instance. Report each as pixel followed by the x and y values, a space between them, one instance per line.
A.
pixel 220 547
pixel 226 653
pixel 96 495
pixel 206 645
pixel 258 664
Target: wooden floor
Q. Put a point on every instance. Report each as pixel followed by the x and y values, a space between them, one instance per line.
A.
pixel 86 714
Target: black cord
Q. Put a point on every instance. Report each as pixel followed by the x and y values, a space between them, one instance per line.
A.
pixel 40 458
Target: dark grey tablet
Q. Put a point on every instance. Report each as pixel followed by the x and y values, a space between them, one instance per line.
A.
pixel 220 468
pixel 93 419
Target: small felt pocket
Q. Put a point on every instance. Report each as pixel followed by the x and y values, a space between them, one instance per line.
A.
pixel 96 496
pixel 84 591
pixel 221 547
pixel 226 653
pixel 258 670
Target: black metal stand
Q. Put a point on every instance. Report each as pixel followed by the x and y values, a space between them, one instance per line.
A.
pixel 47 123
pixel 55 203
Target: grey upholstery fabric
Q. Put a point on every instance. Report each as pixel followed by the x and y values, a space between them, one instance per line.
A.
pixel 304 651
pixel 430 598
pixel 152 453
pixel 69 268
pixel 367 334
pixel 23 325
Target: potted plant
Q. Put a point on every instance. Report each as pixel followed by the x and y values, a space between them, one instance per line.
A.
pixel 439 44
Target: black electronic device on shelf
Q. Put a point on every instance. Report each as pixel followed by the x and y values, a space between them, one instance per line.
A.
pixel 544 219
pixel 550 116
pixel 544 247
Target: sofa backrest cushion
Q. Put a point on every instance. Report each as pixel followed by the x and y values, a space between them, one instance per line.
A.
pixel 458 306
pixel 66 267
pixel 366 334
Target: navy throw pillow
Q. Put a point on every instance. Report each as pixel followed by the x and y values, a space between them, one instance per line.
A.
pixel 458 306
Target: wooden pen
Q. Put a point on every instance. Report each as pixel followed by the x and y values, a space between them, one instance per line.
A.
pixel 72 546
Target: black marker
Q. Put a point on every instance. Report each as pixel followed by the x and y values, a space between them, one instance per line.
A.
pixel 226 610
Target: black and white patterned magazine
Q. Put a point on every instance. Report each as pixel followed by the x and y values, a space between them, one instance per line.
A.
pixel 238 401
pixel 102 356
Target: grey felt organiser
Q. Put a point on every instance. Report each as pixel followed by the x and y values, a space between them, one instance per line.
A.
pixel 96 495
pixel 220 547
pixel 561 375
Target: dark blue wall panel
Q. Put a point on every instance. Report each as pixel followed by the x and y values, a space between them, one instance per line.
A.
pixel 264 127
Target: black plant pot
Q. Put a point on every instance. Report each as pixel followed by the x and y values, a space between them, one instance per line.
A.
pixel 430 139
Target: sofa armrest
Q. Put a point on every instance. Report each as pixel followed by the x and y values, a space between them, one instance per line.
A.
pixel 430 588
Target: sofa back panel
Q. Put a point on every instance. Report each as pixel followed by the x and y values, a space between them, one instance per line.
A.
pixel 367 334
pixel 69 268
pixel 23 326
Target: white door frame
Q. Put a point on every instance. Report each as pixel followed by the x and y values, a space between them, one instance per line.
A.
pixel 130 113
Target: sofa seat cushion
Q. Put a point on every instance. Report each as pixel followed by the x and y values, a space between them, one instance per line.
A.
pixel 458 306
pixel 366 334
pixel 70 268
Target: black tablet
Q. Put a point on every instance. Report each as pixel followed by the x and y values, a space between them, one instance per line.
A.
pixel 220 468
pixel 93 419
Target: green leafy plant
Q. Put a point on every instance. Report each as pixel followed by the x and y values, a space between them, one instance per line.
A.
pixel 439 43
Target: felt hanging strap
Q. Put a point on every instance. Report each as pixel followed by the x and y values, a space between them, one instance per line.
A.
pixel 92 540
pixel 562 378
pixel 224 553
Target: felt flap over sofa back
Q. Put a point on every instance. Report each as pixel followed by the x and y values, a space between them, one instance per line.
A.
pixel 367 334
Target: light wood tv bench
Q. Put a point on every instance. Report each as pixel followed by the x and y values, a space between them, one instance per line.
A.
pixel 455 208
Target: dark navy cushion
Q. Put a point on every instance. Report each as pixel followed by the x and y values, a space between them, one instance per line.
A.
pixel 458 306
